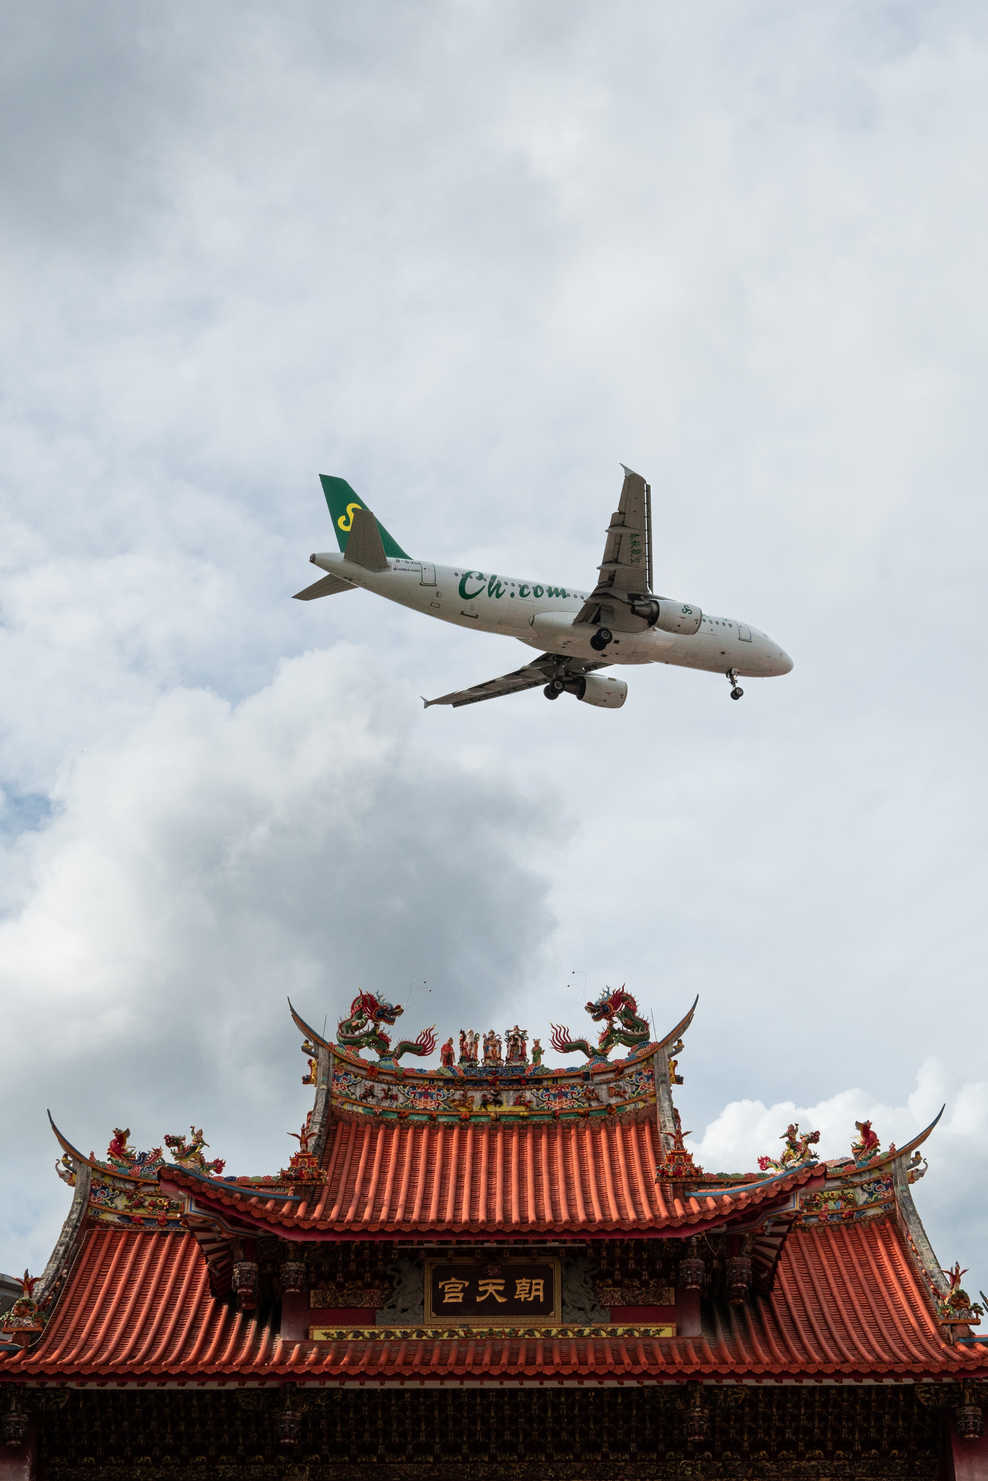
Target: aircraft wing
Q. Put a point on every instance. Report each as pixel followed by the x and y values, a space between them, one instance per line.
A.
pixel 626 569
pixel 547 666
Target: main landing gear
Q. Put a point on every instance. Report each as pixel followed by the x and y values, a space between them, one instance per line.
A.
pixel 554 689
pixel 600 639
pixel 736 690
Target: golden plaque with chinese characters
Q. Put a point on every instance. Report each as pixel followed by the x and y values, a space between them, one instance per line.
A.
pixel 486 1292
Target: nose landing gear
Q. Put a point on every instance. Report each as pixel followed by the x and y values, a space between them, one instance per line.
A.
pixel 732 678
pixel 600 639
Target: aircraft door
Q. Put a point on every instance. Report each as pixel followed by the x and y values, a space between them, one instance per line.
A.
pixel 744 633
pixel 428 577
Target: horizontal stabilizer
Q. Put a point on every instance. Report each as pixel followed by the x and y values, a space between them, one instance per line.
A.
pixel 365 547
pixel 327 587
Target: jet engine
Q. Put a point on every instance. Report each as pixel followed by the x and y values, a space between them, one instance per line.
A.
pixel 670 616
pixel 598 689
pixel 592 689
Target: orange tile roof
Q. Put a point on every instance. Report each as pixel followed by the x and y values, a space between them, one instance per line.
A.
pixel 847 1303
pixel 568 1178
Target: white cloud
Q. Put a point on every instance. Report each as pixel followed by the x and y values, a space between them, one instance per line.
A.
pixel 470 258
pixel 948 1197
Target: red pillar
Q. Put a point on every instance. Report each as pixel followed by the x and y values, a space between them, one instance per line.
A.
pixel 688 1314
pixel 19 1462
pixel 969 1458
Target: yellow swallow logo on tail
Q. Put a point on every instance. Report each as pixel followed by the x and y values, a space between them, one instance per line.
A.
pixel 345 521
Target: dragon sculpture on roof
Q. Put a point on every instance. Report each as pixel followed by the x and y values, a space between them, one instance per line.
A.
pixel 624 1025
pixel 362 1029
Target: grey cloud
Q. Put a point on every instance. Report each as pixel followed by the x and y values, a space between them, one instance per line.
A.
pixel 470 259
pixel 217 860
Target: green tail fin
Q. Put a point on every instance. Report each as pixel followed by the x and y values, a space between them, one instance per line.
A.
pixel 343 502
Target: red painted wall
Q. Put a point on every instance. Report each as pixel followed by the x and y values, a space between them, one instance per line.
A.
pixel 297 1316
pixel 17 1462
pixel 970 1458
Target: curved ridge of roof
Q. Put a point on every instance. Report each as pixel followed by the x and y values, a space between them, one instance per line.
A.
pixel 680 1028
pixel 72 1150
pixel 385 1069
pixel 892 1155
pixel 307 1028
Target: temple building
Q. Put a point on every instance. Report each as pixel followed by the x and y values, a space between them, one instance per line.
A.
pixel 493 1269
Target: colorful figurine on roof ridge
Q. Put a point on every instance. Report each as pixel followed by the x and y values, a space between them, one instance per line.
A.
pixel 516 1045
pixel 866 1144
pixel 796 1151
pixel 66 1169
pixel 189 1154
pixel 492 1048
pixel 624 1025
pixel 956 1305
pixel 23 1322
pixel 121 1154
pixel 362 1029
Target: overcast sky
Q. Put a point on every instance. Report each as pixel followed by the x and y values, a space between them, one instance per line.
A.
pixel 471 256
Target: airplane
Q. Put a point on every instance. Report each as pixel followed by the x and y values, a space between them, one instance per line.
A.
pixel 621 621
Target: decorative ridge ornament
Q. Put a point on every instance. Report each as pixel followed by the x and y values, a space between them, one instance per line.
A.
pixel 955 1305
pixel 24 1321
pixel 796 1152
pixel 189 1154
pixel 623 1025
pixel 678 1165
pixel 362 1029
pixel 122 1190
pixel 304 1165
pixel 120 1154
pixel 892 1153
pixel 866 1144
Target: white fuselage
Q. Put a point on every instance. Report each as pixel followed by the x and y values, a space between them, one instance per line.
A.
pixel 542 616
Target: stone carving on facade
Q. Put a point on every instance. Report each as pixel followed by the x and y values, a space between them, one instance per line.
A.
pixel 406 1302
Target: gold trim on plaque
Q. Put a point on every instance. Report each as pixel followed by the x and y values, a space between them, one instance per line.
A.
pixel 447 1332
pixel 512 1320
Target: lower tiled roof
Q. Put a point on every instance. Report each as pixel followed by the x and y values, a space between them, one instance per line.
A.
pixel 846 1303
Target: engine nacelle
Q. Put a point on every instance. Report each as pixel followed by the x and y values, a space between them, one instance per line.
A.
pixel 598 689
pixel 670 616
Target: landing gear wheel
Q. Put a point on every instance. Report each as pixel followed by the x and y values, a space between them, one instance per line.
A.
pixel 551 692
pixel 736 693
pixel 600 639
pixel 732 679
